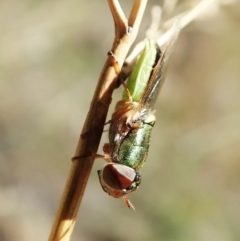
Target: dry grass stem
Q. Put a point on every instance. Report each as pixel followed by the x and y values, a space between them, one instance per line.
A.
pixel 88 143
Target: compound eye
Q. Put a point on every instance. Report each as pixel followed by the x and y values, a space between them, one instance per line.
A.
pixel 118 176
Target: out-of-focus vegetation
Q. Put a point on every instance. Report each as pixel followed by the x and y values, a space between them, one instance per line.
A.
pixel 51 54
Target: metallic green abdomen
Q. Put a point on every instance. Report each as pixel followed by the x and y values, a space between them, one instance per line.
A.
pixel 133 150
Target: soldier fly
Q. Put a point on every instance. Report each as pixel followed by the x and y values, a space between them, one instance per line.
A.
pixel 132 122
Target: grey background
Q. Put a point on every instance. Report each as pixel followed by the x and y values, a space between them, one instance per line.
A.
pixel 51 54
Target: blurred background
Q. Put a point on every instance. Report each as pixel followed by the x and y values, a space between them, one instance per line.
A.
pixel 51 54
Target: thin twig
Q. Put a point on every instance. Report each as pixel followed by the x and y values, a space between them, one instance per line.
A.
pixel 119 18
pixel 163 36
pixel 89 140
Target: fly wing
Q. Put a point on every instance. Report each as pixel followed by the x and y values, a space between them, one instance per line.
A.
pixel 157 78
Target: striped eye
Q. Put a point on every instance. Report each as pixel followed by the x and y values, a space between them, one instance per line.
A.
pixel 118 180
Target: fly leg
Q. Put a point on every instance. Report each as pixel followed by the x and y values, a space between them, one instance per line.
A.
pixel 123 106
pixel 106 157
pixel 107 148
pixel 83 135
pixel 124 109
pixel 122 75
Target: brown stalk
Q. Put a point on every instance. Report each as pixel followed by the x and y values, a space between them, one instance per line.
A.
pixel 125 34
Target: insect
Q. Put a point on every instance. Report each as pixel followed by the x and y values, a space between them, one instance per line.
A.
pixel 132 122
